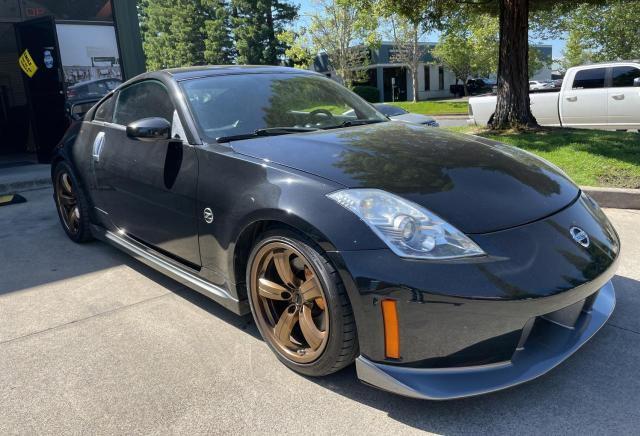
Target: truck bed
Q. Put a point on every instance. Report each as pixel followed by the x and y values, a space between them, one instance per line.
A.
pixel 544 106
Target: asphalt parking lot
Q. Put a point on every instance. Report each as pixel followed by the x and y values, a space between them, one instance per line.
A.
pixel 93 342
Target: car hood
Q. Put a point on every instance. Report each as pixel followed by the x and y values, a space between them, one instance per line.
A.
pixel 476 184
pixel 412 118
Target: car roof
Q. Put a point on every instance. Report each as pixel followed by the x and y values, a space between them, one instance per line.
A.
pixel 187 73
pixel 218 70
pixel 89 82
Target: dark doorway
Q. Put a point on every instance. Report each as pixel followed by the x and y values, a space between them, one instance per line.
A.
pixel 44 89
pixel 395 83
pixel 14 112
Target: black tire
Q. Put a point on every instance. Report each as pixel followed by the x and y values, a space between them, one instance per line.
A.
pixel 82 231
pixel 342 345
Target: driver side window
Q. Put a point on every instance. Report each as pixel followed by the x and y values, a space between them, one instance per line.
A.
pixel 143 100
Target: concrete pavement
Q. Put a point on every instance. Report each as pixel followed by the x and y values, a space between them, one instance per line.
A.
pixel 91 341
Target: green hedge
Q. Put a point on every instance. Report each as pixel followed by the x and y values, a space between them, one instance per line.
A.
pixel 369 93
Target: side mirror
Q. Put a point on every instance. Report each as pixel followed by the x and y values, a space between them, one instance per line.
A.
pixel 636 81
pixel 149 129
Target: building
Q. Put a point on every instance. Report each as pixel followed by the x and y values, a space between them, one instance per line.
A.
pixel 394 81
pixel 47 47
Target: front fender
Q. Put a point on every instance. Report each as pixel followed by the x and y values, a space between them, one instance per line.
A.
pixel 268 192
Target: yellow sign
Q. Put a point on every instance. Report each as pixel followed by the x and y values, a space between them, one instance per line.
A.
pixel 27 64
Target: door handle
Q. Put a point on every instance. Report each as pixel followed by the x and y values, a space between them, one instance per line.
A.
pixel 618 97
pixel 572 99
pixel 97 146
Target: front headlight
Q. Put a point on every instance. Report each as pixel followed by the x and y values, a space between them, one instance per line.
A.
pixel 408 229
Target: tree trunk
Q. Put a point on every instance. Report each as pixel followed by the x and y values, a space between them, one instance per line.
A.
pixel 271 57
pixel 414 79
pixel 465 85
pixel 513 109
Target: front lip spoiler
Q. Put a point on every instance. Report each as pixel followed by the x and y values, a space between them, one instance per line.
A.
pixel 536 359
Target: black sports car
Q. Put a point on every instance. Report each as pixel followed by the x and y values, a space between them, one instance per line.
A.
pixel 445 265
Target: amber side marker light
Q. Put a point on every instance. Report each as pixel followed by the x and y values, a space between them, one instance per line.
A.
pixel 391 330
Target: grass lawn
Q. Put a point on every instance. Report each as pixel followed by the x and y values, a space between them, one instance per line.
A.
pixel 589 157
pixel 435 107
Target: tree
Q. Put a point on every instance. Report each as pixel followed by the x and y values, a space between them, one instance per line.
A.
pixel 257 24
pixel 513 107
pixel 344 33
pixel 604 33
pixel 172 36
pixel 470 48
pixel 406 35
pixel 298 53
pixel 180 33
pixel 575 53
pixel 218 45
pixel 455 51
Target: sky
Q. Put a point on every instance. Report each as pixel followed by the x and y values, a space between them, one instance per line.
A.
pixel 307 6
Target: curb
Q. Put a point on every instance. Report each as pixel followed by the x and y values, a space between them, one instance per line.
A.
pixel 615 198
pixel 449 116
pixel 24 185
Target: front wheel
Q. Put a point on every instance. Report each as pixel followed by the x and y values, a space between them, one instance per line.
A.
pixel 71 203
pixel 300 305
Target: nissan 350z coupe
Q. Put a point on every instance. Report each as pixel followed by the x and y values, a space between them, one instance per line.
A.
pixel 445 265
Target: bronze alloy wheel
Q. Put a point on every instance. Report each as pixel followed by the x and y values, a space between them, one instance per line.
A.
pixel 289 302
pixel 67 202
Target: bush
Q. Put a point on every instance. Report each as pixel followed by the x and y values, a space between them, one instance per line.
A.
pixel 369 93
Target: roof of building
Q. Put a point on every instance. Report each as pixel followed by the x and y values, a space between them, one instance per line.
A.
pixel 383 54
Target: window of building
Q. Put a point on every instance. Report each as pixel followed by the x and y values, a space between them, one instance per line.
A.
pixel 441 78
pixel 623 77
pixel 427 78
pixel 143 100
pixel 590 78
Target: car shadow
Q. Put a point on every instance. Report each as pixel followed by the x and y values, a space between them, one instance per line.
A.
pixel 595 391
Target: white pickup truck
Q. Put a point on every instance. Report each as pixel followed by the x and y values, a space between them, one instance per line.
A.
pixel 600 96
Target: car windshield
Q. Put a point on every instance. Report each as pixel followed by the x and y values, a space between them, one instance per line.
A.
pixel 252 104
pixel 390 111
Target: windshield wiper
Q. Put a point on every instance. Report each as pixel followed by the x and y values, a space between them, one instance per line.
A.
pixel 351 123
pixel 267 131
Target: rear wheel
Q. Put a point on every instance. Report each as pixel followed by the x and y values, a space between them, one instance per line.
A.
pixel 299 305
pixel 72 205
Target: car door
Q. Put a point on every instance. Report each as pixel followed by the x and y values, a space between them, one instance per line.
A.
pixel 623 98
pixel 148 188
pixel 584 103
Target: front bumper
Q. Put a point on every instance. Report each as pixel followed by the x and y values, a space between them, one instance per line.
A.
pixel 491 317
pixel 547 345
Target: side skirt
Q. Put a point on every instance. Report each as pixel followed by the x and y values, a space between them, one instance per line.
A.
pixel 171 269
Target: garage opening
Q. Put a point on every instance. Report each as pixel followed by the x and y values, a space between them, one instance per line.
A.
pixel 57 56
pixel 16 138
